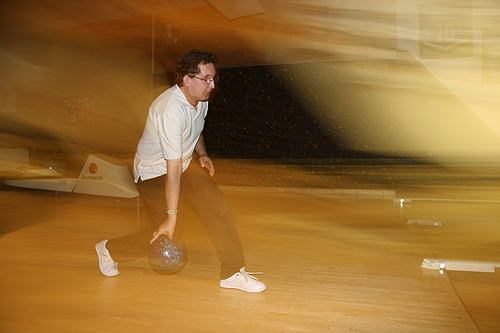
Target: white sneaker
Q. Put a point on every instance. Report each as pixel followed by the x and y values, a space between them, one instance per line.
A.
pixel 243 281
pixel 106 264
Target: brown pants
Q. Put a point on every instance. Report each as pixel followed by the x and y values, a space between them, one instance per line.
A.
pixel 200 191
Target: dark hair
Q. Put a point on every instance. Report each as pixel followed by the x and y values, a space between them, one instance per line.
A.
pixel 188 62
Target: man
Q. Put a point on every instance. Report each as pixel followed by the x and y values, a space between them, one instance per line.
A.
pixel 165 175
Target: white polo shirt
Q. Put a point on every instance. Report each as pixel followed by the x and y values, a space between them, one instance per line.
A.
pixel 172 131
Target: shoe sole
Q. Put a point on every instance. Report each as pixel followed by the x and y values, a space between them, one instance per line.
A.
pixel 248 291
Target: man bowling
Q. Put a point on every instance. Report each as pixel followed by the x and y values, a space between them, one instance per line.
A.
pixel 166 175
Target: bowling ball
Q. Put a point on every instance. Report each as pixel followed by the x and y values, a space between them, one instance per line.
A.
pixel 167 256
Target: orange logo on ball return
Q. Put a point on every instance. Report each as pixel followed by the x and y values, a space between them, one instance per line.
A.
pixel 93 168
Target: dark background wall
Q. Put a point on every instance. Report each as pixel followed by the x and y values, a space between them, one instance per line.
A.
pixel 329 109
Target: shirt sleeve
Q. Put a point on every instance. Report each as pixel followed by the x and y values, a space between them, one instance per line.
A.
pixel 170 128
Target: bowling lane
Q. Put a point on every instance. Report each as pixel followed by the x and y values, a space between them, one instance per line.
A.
pixel 465 229
pixel 331 262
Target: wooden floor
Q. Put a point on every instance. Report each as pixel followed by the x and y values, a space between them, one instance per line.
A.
pixel 332 262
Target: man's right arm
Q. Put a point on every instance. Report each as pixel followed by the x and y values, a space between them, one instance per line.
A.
pixel 172 193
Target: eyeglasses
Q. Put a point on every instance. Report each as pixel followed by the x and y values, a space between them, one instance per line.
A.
pixel 208 81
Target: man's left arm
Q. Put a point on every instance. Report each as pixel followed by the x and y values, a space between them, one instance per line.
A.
pixel 205 161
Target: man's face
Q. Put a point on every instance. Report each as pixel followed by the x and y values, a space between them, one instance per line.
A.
pixel 196 88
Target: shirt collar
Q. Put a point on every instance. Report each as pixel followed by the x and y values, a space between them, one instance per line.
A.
pixel 182 98
pixel 180 95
